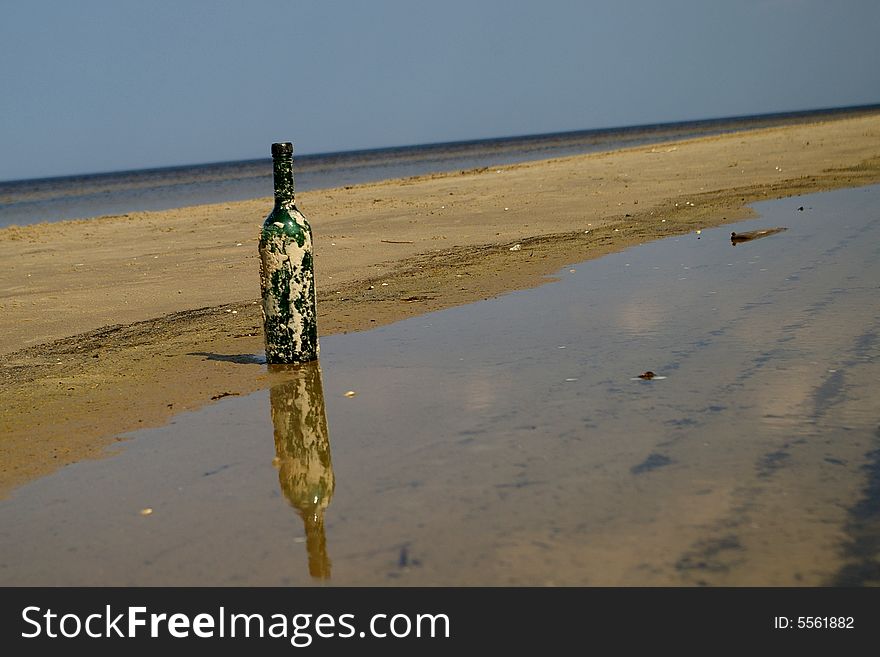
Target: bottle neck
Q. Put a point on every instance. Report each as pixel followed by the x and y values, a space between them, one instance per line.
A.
pixel 283 173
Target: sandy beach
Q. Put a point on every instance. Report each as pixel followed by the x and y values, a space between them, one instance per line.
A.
pixel 116 323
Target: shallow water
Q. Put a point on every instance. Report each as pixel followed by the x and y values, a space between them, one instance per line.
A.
pixel 512 442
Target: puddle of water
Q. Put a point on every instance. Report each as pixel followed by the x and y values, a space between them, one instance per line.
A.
pixel 512 442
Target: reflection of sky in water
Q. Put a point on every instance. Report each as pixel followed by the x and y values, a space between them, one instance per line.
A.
pixel 507 443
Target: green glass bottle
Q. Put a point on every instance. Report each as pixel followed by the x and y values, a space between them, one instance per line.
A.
pixel 287 275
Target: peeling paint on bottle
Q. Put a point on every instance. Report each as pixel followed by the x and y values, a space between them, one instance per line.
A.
pixel 287 276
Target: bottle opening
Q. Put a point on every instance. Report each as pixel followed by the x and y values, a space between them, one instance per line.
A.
pixel 282 148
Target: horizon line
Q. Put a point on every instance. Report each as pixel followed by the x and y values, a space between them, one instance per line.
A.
pixel 475 141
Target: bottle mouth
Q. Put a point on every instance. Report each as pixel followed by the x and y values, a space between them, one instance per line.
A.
pixel 282 148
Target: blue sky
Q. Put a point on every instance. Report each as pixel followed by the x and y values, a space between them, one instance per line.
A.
pixel 103 85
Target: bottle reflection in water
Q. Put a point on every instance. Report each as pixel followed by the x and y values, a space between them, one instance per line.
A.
pixel 302 448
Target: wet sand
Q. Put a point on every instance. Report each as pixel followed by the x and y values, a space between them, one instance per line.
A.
pixel 116 323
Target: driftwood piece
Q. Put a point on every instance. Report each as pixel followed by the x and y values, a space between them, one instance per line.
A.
pixel 755 234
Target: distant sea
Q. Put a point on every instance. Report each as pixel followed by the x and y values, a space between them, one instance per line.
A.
pixel 75 197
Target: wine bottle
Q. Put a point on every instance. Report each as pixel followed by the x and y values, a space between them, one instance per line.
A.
pixel 287 276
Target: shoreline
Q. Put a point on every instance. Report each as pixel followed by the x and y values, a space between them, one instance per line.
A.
pixel 117 323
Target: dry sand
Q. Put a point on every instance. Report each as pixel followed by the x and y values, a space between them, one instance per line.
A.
pixel 116 323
